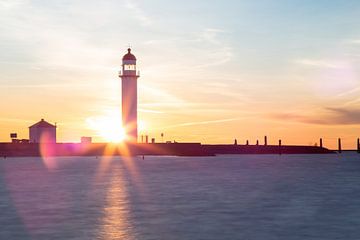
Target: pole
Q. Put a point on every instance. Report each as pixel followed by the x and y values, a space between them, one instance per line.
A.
pixel 339 145
pixel 358 145
pixel 265 140
pixel 321 143
pixel 280 146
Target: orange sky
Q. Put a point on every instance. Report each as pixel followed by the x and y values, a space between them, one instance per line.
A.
pixel 212 77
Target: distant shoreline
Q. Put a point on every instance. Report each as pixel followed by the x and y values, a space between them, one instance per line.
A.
pixel 172 149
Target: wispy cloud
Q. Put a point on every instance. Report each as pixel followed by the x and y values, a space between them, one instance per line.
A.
pixel 202 48
pixel 48 86
pixel 322 63
pixel 149 111
pixel 9 4
pixel 326 116
pixel 219 56
pixel 51 42
pixel 17 120
pixel 210 35
pixel 350 92
pixel 201 123
pixel 138 13
pixel 352 41
pixel 355 101
pixel 159 97
pixel 217 51
pixel 344 116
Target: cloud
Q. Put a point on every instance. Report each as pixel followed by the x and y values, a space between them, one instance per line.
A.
pixel 149 111
pixel 138 13
pixel 217 52
pixel 219 57
pixel 210 35
pixel 353 41
pixel 293 117
pixel 352 102
pixel 9 4
pixel 349 92
pixel 35 35
pixel 17 120
pixel 159 96
pixel 201 123
pixel 321 63
pixel 201 48
pixel 344 116
pixel 326 116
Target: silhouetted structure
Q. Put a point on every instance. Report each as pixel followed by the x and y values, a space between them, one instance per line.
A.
pixel 177 149
pixel 86 140
pixel 129 96
pixel 321 142
pixel 265 141
pixel 42 132
pixel 280 146
pixel 339 145
pixel 358 145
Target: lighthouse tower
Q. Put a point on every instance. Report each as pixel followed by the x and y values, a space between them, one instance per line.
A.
pixel 129 96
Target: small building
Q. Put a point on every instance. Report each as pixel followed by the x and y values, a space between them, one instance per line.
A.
pixel 15 140
pixel 42 132
pixel 86 140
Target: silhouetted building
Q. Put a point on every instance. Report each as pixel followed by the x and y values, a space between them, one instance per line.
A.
pixel 19 140
pixel 129 96
pixel 265 140
pixel 42 132
pixel 13 135
pixel 86 140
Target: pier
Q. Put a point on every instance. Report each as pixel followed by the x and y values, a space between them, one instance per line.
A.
pixel 175 149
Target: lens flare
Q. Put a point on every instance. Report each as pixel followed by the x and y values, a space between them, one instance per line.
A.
pixel 109 128
pixel 48 151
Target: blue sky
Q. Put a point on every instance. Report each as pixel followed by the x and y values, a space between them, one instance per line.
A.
pixel 283 68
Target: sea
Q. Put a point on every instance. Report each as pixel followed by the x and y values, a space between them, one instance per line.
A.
pixel 262 197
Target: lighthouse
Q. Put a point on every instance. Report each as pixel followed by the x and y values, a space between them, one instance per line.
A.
pixel 129 78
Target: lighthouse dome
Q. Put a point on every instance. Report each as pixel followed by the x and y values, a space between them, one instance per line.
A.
pixel 129 56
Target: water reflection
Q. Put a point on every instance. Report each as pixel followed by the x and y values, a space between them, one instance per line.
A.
pixel 115 223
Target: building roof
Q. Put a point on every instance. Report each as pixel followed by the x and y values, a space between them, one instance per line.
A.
pixel 129 56
pixel 43 124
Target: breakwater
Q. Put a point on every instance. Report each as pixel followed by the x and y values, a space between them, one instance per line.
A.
pixel 176 149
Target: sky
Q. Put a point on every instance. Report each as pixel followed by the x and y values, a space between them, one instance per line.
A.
pixel 211 71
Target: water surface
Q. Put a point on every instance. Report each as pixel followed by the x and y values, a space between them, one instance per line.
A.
pixel 286 197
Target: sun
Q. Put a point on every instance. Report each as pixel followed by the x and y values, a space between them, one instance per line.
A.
pixel 108 127
pixel 112 133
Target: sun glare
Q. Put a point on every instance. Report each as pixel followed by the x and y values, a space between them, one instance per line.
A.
pixel 141 126
pixel 109 128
